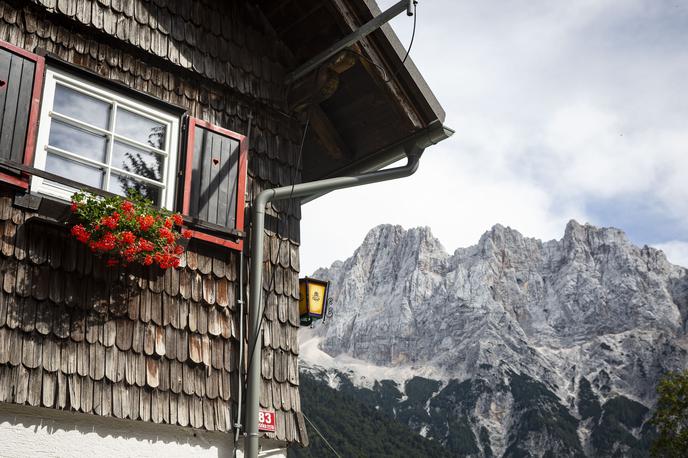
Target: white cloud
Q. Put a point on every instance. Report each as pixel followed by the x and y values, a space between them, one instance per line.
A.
pixel 458 203
pixel 556 105
pixel 675 251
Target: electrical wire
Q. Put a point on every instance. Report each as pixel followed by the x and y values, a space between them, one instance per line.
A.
pixel 413 36
pixel 388 77
pixel 241 388
pixel 321 436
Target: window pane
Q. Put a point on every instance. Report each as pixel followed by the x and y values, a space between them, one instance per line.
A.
pixel 74 170
pixel 138 161
pixel 120 184
pixel 80 106
pixel 77 141
pixel 140 128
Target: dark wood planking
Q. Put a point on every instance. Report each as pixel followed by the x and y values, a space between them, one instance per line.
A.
pixel 205 169
pixel 223 188
pixel 12 111
pixel 5 62
pixel 23 110
pixel 195 192
pixel 215 164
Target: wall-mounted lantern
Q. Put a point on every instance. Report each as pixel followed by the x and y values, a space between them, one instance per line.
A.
pixel 313 299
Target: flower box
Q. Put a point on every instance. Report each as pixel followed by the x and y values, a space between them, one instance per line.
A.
pixel 130 229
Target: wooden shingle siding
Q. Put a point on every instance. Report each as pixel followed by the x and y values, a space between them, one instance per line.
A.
pixel 125 342
pixel 139 344
pixel 111 342
pixel 223 41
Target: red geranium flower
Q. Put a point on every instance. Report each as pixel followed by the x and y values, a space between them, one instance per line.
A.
pixel 106 243
pixel 128 237
pixel 130 252
pixel 145 222
pixel 127 207
pixel 187 234
pixel 109 221
pixel 146 245
pixel 127 230
pixel 166 234
pixel 80 232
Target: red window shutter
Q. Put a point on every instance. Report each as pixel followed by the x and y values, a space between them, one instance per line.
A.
pixel 215 182
pixel 21 83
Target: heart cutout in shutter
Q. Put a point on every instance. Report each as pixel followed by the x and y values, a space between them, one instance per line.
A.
pixel 216 161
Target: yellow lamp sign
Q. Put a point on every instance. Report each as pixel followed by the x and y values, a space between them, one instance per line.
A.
pixel 313 299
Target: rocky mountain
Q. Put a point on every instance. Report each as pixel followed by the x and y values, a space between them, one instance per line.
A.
pixel 511 347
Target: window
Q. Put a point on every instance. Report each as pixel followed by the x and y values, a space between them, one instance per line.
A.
pixel 95 134
pixel 106 140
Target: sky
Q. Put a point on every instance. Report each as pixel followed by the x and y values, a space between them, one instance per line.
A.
pixel 563 110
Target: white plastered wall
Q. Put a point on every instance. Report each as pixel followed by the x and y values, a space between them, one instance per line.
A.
pixel 38 432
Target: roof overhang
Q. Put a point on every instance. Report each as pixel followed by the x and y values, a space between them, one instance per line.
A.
pixel 361 101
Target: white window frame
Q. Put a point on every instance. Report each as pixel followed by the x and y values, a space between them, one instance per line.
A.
pixel 52 78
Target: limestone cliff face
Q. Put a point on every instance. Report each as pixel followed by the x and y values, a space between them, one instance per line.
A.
pixel 527 324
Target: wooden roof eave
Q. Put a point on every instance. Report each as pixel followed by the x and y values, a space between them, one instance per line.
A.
pixel 388 48
pixel 376 66
pixel 373 104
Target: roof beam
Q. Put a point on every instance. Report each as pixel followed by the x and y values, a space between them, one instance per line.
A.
pixel 328 135
pixel 353 37
pixel 307 94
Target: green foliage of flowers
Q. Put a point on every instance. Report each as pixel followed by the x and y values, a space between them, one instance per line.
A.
pixel 127 230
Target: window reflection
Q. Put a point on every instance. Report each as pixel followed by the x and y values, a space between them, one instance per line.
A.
pixel 80 106
pixel 140 128
pixel 76 171
pixel 138 161
pixel 121 184
pixel 77 141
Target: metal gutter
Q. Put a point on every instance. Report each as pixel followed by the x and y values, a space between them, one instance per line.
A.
pixel 431 135
pixel 237 424
pixel 413 149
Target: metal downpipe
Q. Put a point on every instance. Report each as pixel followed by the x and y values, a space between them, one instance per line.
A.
pixel 251 441
pixel 237 423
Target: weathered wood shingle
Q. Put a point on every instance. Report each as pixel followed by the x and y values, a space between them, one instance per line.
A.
pixel 83 355
pixel 138 343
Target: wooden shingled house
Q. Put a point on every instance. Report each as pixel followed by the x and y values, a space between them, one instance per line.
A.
pixel 138 361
